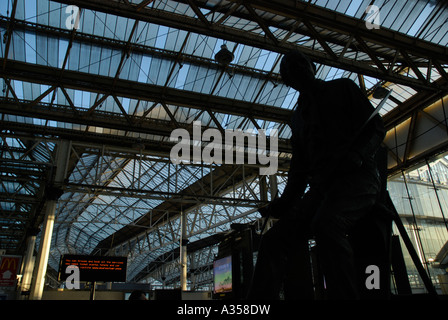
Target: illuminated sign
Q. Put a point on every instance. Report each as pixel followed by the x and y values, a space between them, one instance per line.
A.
pixel 93 268
pixel 222 274
pixel 9 265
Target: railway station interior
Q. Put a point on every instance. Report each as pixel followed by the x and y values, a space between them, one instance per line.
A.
pixel 92 92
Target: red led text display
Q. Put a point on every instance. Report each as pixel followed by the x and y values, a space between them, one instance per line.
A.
pixel 94 268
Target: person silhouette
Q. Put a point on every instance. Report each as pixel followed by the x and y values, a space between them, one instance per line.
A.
pixel 333 182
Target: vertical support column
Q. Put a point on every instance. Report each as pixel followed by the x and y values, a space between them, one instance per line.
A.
pixel 193 274
pixel 28 263
pixel 163 276
pixel 273 186
pixel 53 193
pixel 273 189
pixel 44 250
pixel 92 290
pixel 263 188
pixel 183 252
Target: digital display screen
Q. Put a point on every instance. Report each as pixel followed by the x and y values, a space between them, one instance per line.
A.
pixel 94 268
pixel 222 275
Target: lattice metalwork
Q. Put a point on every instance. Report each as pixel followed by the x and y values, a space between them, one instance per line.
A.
pixel 115 78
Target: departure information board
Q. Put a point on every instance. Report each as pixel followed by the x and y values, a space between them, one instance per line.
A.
pixel 93 268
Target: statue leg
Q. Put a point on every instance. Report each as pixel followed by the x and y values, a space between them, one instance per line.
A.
pixel 334 250
pixel 283 260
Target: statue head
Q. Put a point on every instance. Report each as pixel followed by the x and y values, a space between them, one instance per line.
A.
pixel 297 71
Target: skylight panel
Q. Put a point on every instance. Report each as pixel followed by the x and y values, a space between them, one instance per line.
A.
pixel 273 94
pixel 182 76
pixel 175 39
pixel 327 4
pixel 388 106
pixel 200 79
pixel 248 56
pixel 62 51
pixel 175 7
pixel 125 103
pixel 99 24
pixel 388 12
pixel 408 17
pixel 18 46
pixel 203 46
pixel 333 73
pixel 437 31
pixel 159 70
pixel 13 142
pixel 18 88
pixel 414 20
pixel 161 37
pixel 370 82
pixel 2 44
pixel 402 93
pixel 82 99
pixel 30 7
pixel 266 60
pixel 144 68
pixel 444 39
pixel 343 6
pixel 5 8
pixel 290 99
pixel 26 90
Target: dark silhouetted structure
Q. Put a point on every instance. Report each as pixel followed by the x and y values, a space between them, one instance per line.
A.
pixel 137 295
pixel 333 154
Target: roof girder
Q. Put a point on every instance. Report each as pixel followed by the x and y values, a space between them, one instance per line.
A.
pixel 312 14
pixel 135 90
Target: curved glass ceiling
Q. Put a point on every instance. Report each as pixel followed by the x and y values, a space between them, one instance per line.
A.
pixel 144 62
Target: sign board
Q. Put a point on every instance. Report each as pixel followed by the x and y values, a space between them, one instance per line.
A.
pixel 9 268
pixel 94 268
pixel 222 275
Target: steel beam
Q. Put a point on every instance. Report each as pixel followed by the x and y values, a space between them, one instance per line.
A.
pixel 136 90
pixel 291 11
pixel 197 189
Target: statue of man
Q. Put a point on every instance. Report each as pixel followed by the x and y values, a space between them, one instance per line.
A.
pixel 333 181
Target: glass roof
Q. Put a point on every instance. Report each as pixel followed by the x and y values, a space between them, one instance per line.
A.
pixel 418 18
pixel 34 47
pixel 140 52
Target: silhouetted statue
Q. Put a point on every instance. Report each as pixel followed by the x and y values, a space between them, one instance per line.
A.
pixel 334 158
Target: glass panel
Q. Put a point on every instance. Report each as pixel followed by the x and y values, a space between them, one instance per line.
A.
pixel 420 196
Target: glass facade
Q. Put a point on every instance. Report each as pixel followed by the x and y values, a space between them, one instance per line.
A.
pixel 420 195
